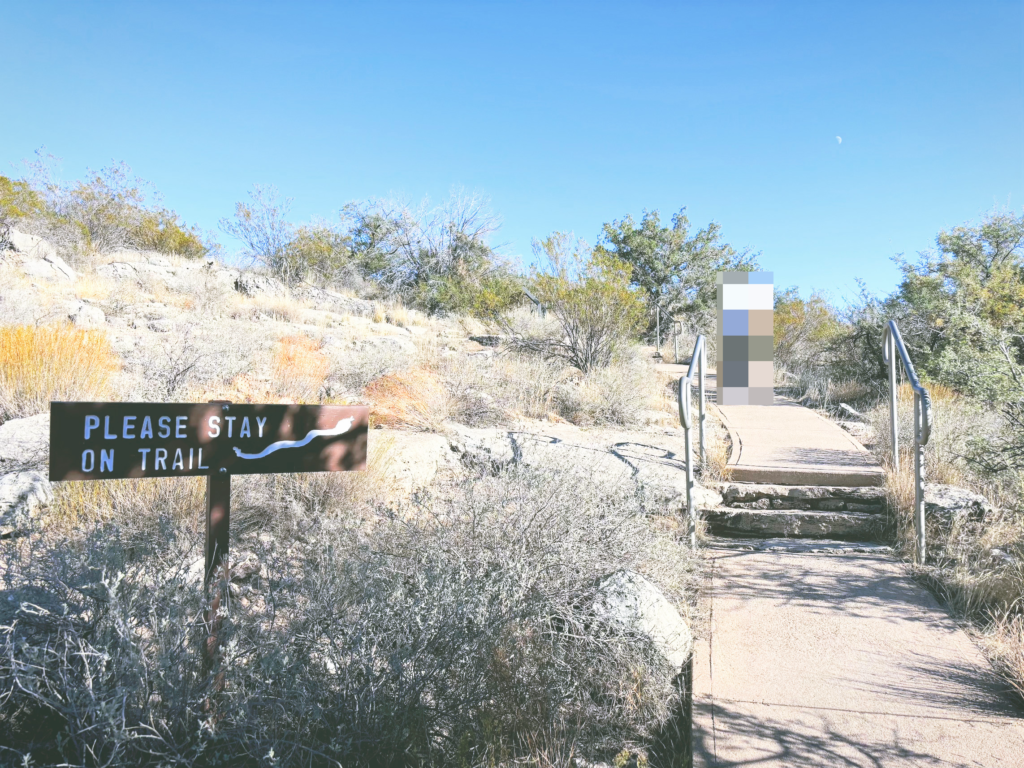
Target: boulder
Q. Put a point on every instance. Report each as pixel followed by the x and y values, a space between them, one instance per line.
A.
pixel 628 600
pixel 37 258
pixel 86 316
pixel 389 344
pixel 130 270
pixel 948 501
pixel 413 459
pixel 254 284
pixel 51 268
pixel 488 340
pixel 703 498
pixel 25 444
pixel 31 245
pixel 23 495
pixel 335 302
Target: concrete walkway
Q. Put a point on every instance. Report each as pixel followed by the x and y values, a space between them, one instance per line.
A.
pixel 788 444
pixel 825 653
pixel 821 659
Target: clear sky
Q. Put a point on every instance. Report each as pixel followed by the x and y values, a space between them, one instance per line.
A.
pixel 566 115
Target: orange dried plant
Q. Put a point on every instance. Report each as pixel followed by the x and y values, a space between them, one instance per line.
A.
pixel 300 368
pixel 415 398
pixel 40 363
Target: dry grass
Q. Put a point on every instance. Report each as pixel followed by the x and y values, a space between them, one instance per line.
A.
pixel 300 368
pixel 281 308
pixel 629 392
pixel 413 399
pixel 975 561
pixel 717 448
pixel 52 362
pixel 1004 644
pixel 140 503
pixel 480 597
pixel 92 287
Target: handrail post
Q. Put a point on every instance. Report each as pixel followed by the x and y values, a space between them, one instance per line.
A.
pixel 890 342
pixel 697 361
pixel 919 479
pixel 691 513
pixel 893 344
pixel 700 409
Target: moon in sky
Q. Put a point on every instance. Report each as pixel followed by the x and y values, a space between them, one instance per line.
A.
pixel 839 139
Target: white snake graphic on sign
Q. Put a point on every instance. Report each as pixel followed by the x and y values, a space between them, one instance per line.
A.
pixel 342 426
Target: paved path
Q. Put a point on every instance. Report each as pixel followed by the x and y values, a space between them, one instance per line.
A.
pixel 828 653
pixel 788 444
pixel 841 660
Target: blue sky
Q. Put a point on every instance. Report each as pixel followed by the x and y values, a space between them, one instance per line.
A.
pixel 565 115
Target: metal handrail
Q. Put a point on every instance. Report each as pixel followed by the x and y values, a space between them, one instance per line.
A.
pixel 892 343
pixel 697 363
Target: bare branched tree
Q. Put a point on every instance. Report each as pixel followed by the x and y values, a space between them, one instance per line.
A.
pixel 263 227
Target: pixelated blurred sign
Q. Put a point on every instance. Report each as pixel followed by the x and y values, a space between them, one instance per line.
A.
pixel 746 329
pixel 106 441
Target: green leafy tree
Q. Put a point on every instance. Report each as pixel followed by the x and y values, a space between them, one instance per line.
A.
pixel 805 330
pixel 674 267
pixel 961 307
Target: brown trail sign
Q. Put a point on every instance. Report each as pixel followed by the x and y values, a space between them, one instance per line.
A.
pixel 104 441
pixel 108 441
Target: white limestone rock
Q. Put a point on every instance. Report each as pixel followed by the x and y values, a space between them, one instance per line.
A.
pixel 630 601
pixel 254 284
pixel 948 501
pixel 25 444
pixel 23 496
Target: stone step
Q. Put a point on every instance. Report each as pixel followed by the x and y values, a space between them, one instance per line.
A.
pixel 806 497
pixel 795 523
pixel 854 477
pixel 800 546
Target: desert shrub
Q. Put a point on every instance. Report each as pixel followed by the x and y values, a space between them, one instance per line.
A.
pixel 472 397
pixel 593 310
pixel 108 210
pixel 52 362
pixel 619 394
pixel 459 631
pixel 516 385
pixel 17 201
pixel 437 259
pixel 162 230
pixel 300 368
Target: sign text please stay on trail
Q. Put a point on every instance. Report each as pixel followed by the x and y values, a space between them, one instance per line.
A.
pixel 104 441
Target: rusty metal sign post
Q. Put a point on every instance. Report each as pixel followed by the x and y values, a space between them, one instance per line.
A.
pixel 109 441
